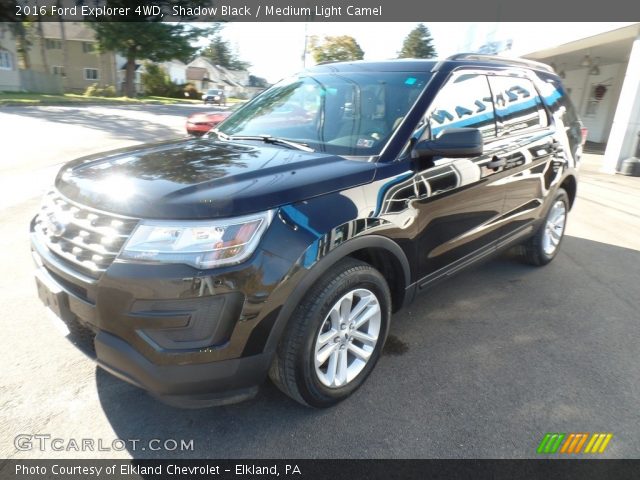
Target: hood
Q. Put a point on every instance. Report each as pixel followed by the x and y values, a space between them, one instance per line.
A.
pixel 205 178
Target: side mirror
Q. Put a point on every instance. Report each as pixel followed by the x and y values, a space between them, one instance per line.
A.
pixel 452 143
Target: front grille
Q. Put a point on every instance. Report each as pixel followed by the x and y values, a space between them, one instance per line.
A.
pixel 86 239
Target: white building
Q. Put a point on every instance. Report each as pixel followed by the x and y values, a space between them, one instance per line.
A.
pixel 176 70
pixel 602 74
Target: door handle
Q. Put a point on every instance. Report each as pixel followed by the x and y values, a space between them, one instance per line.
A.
pixel 496 163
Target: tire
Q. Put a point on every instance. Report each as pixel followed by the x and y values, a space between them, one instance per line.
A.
pixel 298 369
pixel 544 245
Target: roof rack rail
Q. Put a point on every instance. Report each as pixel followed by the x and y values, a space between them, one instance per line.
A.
pixel 506 60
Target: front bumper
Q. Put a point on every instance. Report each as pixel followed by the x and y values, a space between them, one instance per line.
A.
pixel 197 385
pixel 189 337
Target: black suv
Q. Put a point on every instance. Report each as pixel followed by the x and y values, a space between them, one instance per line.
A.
pixel 215 96
pixel 281 243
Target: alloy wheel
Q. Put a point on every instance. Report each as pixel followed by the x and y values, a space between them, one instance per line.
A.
pixel 554 227
pixel 347 338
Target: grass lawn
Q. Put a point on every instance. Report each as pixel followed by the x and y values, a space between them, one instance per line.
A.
pixel 18 98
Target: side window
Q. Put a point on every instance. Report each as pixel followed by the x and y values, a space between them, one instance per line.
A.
pixel 465 101
pixel 518 106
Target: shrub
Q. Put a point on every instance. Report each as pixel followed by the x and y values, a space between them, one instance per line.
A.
pixel 175 91
pixel 191 92
pixel 91 90
pixel 95 90
pixel 109 91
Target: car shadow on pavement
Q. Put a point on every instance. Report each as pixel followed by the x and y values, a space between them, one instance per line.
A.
pixel 116 124
pixel 479 361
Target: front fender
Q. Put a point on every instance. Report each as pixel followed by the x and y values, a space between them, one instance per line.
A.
pixel 307 274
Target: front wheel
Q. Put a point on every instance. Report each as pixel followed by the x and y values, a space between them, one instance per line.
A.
pixel 335 336
pixel 544 245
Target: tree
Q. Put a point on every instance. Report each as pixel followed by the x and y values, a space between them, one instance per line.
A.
pixel 418 44
pixel 41 41
pixel 63 37
pixel 258 82
pixel 152 40
pixel 336 49
pixel 219 52
pixel 21 30
pixel 155 80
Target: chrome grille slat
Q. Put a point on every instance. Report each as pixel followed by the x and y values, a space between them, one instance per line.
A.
pixel 99 230
pixel 86 238
pixel 94 247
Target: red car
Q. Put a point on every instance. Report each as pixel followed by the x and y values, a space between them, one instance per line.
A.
pixel 200 123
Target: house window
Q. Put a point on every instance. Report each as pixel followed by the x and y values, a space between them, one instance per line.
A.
pixel 87 47
pixel 53 44
pixel 6 61
pixel 91 74
pixel 58 70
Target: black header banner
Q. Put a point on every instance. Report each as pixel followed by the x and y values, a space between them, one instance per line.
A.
pixel 319 10
pixel 322 469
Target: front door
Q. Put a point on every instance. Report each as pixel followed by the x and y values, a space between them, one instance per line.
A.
pixel 460 200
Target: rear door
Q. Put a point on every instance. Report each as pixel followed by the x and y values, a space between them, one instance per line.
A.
pixel 526 146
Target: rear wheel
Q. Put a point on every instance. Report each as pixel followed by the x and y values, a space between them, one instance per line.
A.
pixel 544 245
pixel 335 336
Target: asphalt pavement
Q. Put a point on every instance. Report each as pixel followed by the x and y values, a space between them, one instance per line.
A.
pixel 481 366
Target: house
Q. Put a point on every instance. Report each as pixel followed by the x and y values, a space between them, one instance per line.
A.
pixel 75 59
pixel 9 76
pixel 205 75
pixel 176 70
pixel 84 65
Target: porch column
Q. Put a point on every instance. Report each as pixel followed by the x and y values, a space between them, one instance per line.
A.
pixel 626 122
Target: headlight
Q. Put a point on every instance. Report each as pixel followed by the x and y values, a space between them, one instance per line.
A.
pixel 217 97
pixel 201 244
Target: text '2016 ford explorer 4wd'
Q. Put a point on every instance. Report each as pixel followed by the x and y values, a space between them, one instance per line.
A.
pixel 279 244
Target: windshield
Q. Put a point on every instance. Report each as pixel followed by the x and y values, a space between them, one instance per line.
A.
pixel 214 92
pixel 342 113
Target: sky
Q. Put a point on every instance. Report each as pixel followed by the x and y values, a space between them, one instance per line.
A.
pixel 274 50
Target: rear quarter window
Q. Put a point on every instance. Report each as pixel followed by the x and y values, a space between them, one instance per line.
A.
pixel 557 101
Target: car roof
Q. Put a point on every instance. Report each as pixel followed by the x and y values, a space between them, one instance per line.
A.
pixel 400 65
pixel 430 65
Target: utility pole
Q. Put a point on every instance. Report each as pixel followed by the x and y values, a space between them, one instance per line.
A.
pixel 306 41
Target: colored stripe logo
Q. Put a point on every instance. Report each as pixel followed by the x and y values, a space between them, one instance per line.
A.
pixel 572 443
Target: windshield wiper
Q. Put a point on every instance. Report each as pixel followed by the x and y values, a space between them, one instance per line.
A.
pixel 266 139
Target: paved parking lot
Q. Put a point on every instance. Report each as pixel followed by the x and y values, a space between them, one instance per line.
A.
pixel 481 366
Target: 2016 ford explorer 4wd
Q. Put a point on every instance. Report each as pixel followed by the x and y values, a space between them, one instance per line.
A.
pixel 281 243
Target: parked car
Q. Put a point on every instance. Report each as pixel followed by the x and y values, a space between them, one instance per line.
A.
pixel 215 96
pixel 281 248
pixel 200 123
